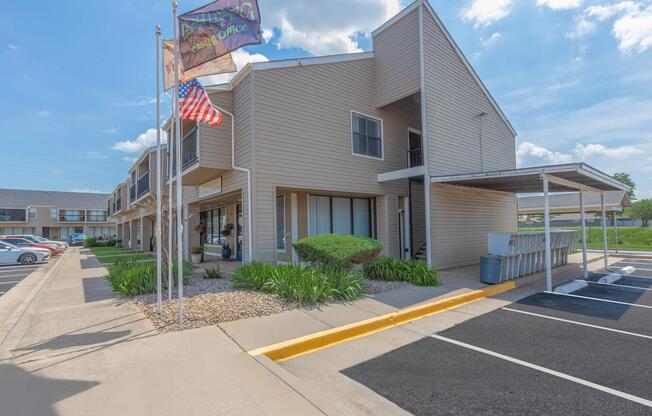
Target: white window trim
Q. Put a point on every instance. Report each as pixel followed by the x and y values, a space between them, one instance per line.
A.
pixel 382 136
pixel 285 243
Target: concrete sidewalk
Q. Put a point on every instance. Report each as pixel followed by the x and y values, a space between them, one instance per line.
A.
pixel 79 350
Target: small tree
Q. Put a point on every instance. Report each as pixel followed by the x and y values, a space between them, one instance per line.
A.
pixel 627 180
pixel 641 210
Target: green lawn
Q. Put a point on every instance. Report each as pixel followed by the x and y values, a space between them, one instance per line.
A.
pixel 109 255
pixel 629 238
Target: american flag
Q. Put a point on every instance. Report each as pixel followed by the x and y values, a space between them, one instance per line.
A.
pixel 194 104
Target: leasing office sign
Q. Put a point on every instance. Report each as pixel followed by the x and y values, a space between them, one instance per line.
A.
pixel 210 188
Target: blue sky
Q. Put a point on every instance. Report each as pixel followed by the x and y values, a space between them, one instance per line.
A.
pixel 573 76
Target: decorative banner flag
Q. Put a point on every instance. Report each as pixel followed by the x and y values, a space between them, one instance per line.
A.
pixel 194 104
pixel 216 29
pixel 222 65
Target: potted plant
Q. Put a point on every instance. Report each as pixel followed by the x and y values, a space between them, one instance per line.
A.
pixel 226 251
pixel 196 254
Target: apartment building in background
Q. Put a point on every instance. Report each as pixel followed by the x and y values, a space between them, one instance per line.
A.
pixel 55 215
pixel 344 144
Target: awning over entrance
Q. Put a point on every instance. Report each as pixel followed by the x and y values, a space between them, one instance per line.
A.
pixel 545 179
pixel 563 178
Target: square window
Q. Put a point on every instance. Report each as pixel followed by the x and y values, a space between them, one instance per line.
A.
pixel 366 136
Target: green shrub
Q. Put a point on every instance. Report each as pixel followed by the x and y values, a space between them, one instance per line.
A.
pixel 299 283
pixel 212 272
pixel 411 271
pixel 131 277
pixel 303 284
pixel 94 242
pixel 252 275
pixel 90 242
pixel 343 285
pixel 336 250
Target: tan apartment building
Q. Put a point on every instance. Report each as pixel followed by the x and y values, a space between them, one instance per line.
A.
pixel 349 144
pixel 131 202
pixel 54 215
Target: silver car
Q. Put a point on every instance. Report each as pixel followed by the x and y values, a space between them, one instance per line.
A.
pixel 11 254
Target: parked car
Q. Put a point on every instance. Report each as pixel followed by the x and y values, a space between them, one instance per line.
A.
pixel 41 240
pixel 25 243
pixel 10 254
pixel 77 239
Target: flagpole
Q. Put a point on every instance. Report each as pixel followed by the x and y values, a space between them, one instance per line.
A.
pixel 170 137
pixel 178 153
pixel 159 167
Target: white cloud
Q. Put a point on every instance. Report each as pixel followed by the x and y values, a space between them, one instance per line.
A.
pixel 491 40
pixel 560 4
pixel 42 113
pixel 129 159
pixel 86 190
pixel 140 143
pixel 632 26
pixel 324 27
pixel 527 151
pixel 241 58
pixel 486 12
pixel 12 46
pixel 94 155
pixel 136 103
pixel 592 150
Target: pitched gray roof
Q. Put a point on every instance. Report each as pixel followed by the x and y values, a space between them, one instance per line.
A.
pixel 572 200
pixel 20 198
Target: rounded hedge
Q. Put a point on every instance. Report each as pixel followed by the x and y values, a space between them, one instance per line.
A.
pixel 337 249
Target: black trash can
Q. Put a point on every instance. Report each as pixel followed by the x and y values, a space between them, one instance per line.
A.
pixel 490 269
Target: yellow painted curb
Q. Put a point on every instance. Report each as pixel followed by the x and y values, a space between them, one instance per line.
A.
pixel 318 340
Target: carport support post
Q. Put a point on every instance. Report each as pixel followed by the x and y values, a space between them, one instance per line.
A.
pixel 604 231
pixel 546 219
pixel 585 261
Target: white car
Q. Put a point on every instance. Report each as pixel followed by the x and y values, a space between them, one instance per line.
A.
pixel 11 254
pixel 59 245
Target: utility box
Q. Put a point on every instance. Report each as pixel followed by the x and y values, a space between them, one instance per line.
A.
pixel 490 269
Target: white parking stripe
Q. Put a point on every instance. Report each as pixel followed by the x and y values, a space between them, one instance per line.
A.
pixel 598 299
pixel 578 323
pixel 605 389
pixel 612 284
pixel 9 283
pixel 13 275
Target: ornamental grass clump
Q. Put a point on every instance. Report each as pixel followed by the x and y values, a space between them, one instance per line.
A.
pixel 336 250
pixel 410 271
pixel 133 277
pixel 252 275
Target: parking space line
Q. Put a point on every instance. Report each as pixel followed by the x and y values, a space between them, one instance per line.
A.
pixel 8 283
pixel 598 299
pixel 578 323
pixel 605 389
pixel 612 284
pixel 12 275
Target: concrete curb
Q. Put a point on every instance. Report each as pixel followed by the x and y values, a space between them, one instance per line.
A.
pixel 319 340
pixel 10 324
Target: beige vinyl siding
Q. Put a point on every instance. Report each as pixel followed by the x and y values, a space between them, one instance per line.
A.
pixel 243 113
pixel 303 140
pixel 396 60
pixel 454 101
pixel 215 142
pixel 462 218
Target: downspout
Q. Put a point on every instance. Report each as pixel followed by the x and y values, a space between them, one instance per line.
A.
pixel 424 138
pixel 248 171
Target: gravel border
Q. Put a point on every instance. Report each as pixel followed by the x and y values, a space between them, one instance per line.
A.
pixel 213 301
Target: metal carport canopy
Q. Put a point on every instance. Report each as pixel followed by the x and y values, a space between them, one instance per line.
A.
pixel 545 179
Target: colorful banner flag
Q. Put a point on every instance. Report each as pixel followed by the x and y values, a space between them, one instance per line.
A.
pixel 222 65
pixel 194 104
pixel 216 29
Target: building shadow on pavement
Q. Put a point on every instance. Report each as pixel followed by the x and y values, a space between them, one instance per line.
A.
pixel 24 394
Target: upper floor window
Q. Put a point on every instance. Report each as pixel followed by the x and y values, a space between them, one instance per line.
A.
pixel 54 213
pixel 366 136
pixel 32 212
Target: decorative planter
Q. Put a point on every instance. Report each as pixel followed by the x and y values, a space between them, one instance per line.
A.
pixel 226 253
pixel 195 258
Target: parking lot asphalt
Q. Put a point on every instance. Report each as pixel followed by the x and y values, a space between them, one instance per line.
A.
pixel 545 354
pixel 11 275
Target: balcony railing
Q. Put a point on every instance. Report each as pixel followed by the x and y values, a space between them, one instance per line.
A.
pixel 189 152
pixel 96 218
pixel 132 193
pixel 143 184
pixel 71 217
pixel 19 215
pixel 118 205
pixel 414 158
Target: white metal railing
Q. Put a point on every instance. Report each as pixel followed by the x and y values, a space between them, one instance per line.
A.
pixel 524 253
